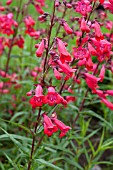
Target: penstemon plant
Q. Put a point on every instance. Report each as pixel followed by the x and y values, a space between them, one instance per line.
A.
pixel 59 54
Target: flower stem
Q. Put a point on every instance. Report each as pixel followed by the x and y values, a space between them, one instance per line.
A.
pixel 11 45
pixel 34 137
pixel 49 36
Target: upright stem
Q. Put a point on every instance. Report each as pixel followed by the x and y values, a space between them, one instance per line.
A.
pixel 11 45
pixel 34 137
pixel 9 54
pixel 49 36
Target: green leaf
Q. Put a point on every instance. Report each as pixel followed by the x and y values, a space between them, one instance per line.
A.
pixel 17 124
pixel 17 115
pixel 42 161
pixel 2 166
pixel 92 147
pixel 11 162
pixel 4 79
pixel 90 112
pixel 59 148
pixel 74 163
pixel 104 162
pixel 13 138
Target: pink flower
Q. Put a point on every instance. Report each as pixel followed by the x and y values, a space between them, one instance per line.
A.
pixel 111 1
pixel 102 73
pixel 39 9
pixel 65 68
pixel 49 127
pixel 103 48
pixel 101 1
pixel 40 49
pixel 107 103
pixel 98 33
pixel 89 64
pixel 91 81
pixel 100 93
pixel 82 62
pixel 2 8
pixel 80 53
pixel 67 28
pixel 64 129
pixel 37 99
pixel 83 7
pixel 92 49
pixel 29 93
pixel 52 97
pixel 42 2
pixel 70 99
pixel 83 26
pixel 64 55
pixel 109 25
pixel 9 2
pixel 57 74
pixel 109 92
pixel 109 6
pixel 35 34
pixel 29 21
pixel 57 3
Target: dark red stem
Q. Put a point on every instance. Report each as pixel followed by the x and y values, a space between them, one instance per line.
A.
pixel 34 137
pixel 49 36
pixel 11 45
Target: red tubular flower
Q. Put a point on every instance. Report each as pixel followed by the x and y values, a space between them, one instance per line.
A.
pixel 39 9
pixel 98 34
pixel 65 68
pixel 9 2
pixel 70 99
pixel 29 93
pixel 52 97
pixel 83 26
pixel 1 45
pixel 107 103
pixel 111 1
pixel 89 64
pixel 83 7
pixel 57 74
pixel 82 62
pixel 91 81
pixel 101 1
pixel 64 129
pixel 37 99
pixel 91 49
pixel 109 92
pixel 42 2
pixel 100 93
pixel 35 34
pixel 64 55
pixel 40 49
pixel 109 25
pixel 107 5
pixel 57 3
pixel 68 5
pixel 19 41
pixel 29 21
pixel 2 8
pixel 80 53
pixel 49 127
pixel 103 48
pixel 67 28
pixel 102 73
